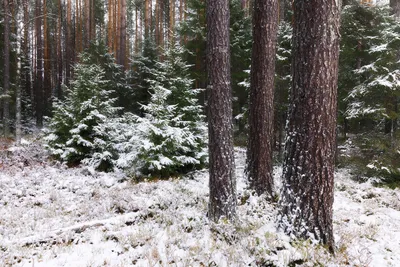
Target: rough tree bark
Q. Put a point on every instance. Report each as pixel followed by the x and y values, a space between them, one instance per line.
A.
pixel 222 167
pixel 308 171
pixel 6 75
pixel 261 106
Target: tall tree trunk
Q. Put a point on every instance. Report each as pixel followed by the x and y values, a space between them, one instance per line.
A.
pixel 6 74
pixel 220 127
pixel 171 20
pixel 69 44
pixel 78 28
pixel 122 42
pixel 136 31
pixel 86 32
pixel 181 4
pixel 161 20
pixel 146 19
pixel 110 26
pixel 308 170
pixel 59 51
pixel 26 77
pixel 39 65
pixel 261 106
pixel 157 23
pixel 117 30
pixel 92 21
pixel 47 72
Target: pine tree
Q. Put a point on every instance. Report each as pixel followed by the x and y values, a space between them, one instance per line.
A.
pixel 142 67
pixel 308 170
pixel 222 202
pixel 261 106
pixel 370 86
pixel 76 134
pixel 172 132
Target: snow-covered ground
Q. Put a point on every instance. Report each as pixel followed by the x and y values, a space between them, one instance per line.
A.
pixel 54 216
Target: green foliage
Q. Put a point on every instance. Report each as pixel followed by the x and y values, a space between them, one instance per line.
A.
pixel 373 155
pixel 76 133
pixel 241 42
pixel 369 77
pixel 194 30
pixel 114 76
pixel 283 80
pixel 142 67
pixel 282 85
pixel 369 89
pixel 172 133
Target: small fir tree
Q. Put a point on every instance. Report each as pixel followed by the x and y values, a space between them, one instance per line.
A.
pixel 76 132
pixel 142 68
pixel 172 134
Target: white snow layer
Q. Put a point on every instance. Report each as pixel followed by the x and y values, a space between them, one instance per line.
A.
pixel 54 216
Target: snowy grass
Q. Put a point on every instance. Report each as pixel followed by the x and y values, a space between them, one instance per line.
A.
pixel 54 216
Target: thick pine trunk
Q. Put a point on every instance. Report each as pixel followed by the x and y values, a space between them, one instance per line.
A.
pixel 222 167
pixel 261 106
pixel 308 171
pixel 6 74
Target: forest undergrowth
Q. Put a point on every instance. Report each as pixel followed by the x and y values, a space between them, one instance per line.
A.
pixel 51 215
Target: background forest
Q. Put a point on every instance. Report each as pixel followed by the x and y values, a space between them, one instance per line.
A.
pixel 120 83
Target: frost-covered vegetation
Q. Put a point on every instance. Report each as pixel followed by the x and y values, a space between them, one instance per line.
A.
pixel 169 137
pixel 76 133
pixel 51 215
pixel 369 89
pixel 148 123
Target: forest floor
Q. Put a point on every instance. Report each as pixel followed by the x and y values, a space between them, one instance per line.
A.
pixel 54 216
